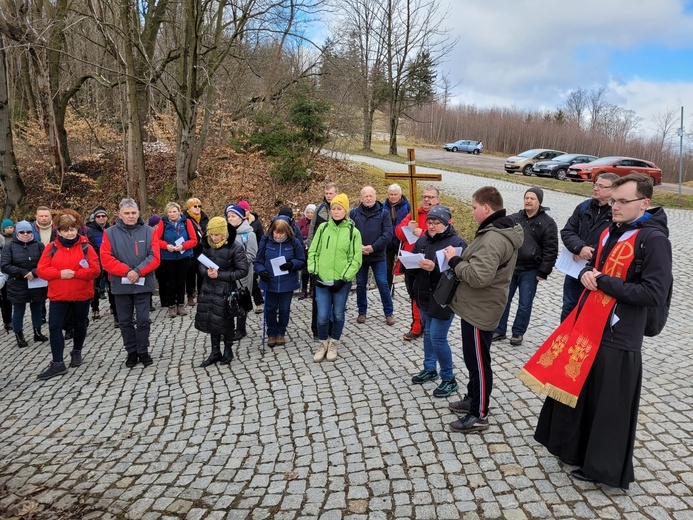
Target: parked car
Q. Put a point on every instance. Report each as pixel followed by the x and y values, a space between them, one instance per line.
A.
pixel 558 166
pixel 523 162
pixel 465 145
pixel 621 166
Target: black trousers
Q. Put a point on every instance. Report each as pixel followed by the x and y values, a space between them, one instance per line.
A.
pixel 476 348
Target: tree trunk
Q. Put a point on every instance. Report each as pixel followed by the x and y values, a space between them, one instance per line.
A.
pixel 12 184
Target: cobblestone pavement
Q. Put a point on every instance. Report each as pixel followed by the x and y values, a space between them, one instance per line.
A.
pixel 276 435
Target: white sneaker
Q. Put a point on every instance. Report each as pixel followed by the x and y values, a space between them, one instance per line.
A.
pixel 332 350
pixel 320 354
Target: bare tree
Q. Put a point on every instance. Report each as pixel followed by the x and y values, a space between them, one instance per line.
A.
pixel 12 184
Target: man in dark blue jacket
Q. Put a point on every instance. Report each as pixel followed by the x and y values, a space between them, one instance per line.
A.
pixel 375 227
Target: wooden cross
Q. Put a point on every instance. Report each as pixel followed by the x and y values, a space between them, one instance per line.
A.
pixel 411 176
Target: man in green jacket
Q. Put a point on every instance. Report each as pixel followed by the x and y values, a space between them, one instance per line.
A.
pixel 484 271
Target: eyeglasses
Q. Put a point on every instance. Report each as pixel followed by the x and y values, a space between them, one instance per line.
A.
pixel 602 186
pixel 623 202
pixel 25 232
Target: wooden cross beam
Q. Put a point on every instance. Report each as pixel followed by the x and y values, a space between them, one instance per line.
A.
pixel 411 176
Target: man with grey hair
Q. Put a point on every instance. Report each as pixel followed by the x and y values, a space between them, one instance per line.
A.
pixel 398 207
pixel 129 257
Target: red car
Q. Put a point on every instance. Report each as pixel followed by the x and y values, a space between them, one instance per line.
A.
pixel 621 166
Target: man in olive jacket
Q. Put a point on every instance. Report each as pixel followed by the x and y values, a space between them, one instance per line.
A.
pixel 484 271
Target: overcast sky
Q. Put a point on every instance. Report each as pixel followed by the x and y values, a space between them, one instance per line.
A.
pixel 531 53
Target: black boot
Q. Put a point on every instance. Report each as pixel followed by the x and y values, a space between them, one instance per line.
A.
pixel 228 352
pixel 38 336
pixel 21 342
pixel 215 356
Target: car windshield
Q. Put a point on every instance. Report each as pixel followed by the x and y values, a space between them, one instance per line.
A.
pixel 530 153
pixel 566 157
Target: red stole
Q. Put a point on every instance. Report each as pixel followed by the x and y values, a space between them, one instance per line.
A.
pixel 560 366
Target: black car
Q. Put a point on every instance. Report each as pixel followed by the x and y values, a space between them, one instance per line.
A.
pixel 558 166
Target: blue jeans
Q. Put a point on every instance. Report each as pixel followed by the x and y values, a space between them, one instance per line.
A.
pixel 436 347
pixel 332 305
pixel 57 312
pixel 572 289
pixel 277 310
pixel 380 276
pixel 18 315
pixel 527 282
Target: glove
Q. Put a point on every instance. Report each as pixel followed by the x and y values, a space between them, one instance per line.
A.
pixel 264 276
pixel 338 284
pixel 286 266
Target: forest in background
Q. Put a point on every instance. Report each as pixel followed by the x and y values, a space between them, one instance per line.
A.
pixel 142 98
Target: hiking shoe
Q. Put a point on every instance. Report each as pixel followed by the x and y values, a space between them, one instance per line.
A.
pixel 271 341
pixel 411 336
pixel 423 376
pixel 498 337
pixel 516 340
pixel 445 388
pixel 462 407
pixel 280 340
pixel 146 359
pixel 469 423
pixel 54 369
pixel 131 360
pixel 361 318
pixel 75 358
pixel 390 320
pixel 258 309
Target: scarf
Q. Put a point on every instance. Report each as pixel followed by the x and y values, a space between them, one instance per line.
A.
pixel 560 372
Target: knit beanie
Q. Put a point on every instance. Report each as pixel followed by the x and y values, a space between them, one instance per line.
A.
pixel 5 224
pixel 286 211
pixel 441 213
pixel 244 204
pixel 194 201
pixel 341 200
pixel 309 207
pixel 217 226
pixel 22 226
pixel 154 220
pixel 236 209
pixel 538 192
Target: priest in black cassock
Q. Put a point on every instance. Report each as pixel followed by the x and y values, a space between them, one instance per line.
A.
pixel 597 433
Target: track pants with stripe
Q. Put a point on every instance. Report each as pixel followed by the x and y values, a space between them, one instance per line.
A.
pixel 476 348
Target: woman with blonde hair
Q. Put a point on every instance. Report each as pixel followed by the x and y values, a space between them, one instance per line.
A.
pixel 176 238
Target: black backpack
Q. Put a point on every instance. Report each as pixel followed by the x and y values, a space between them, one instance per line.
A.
pixel 656 316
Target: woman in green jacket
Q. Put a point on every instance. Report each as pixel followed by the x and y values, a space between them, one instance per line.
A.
pixel 335 258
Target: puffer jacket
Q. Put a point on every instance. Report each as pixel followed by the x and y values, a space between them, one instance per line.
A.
pixel 211 314
pixel 57 257
pixel 335 252
pixel 19 259
pixel 485 269
pixel 424 282
pixel 292 251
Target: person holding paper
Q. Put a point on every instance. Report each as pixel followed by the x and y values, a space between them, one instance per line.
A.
pixel 222 250
pixel 437 319
pixel 280 258
pixel 176 238
pixel 334 257
pixel 70 265
pixel 130 251
pixel 20 258
pixel 430 198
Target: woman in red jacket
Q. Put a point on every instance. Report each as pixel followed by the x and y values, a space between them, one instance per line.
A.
pixel 70 265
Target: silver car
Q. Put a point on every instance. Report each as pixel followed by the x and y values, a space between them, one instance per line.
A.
pixel 465 145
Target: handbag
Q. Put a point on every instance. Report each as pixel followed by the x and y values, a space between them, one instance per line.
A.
pixel 238 301
pixel 447 285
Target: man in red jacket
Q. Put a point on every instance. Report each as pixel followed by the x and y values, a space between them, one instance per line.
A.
pixel 430 198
